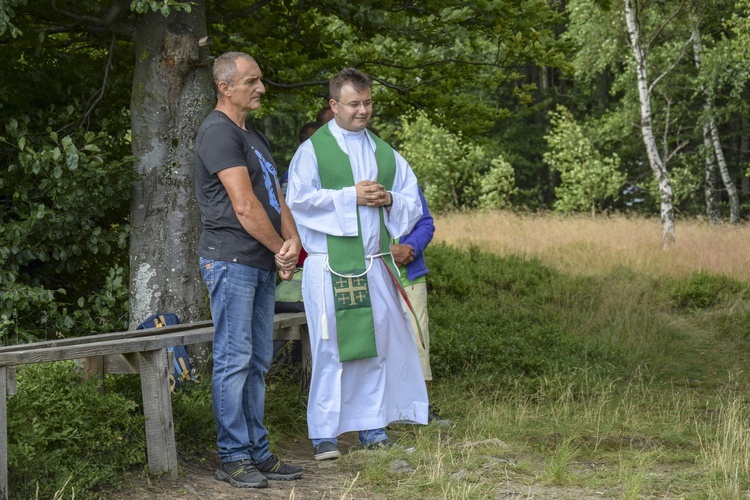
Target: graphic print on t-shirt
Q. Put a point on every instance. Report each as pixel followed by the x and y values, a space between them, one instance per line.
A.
pixel 269 178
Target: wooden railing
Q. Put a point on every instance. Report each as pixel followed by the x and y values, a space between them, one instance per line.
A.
pixel 146 352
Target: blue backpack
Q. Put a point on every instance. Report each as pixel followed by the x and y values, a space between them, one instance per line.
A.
pixel 182 369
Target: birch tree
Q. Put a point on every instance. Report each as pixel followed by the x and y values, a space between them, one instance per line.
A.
pixel 721 54
pixel 713 150
pixel 649 140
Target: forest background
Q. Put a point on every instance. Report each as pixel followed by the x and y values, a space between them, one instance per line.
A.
pixel 574 106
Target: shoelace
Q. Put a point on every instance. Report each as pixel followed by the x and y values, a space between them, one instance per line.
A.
pixel 247 465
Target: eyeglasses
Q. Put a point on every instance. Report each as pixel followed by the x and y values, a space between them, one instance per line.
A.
pixel 356 104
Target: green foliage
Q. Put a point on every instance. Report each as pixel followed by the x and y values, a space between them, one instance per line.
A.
pixel 286 401
pixel 497 187
pixel 7 14
pixel 587 179
pixel 63 248
pixel 194 426
pixel 163 6
pixel 455 172
pixel 496 321
pixel 682 95
pixel 704 290
pixel 724 72
pixel 65 179
pixel 60 429
pixel 447 59
pixel 687 183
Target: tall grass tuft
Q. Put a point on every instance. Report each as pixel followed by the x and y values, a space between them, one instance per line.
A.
pixel 560 458
pixel 725 452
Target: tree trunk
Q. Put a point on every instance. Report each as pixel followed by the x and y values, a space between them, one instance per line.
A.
pixel 712 204
pixel 741 155
pixel 729 185
pixel 711 139
pixel 709 185
pixel 654 159
pixel 171 94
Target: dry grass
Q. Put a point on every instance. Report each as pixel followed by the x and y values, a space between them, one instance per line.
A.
pixel 586 245
pixel 726 457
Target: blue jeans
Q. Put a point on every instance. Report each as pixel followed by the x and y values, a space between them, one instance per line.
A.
pixel 242 302
pixel 366 438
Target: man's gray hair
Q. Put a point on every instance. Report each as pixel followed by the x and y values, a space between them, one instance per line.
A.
pixel 225 67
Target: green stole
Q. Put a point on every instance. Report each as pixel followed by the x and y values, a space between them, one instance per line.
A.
pixel 346 254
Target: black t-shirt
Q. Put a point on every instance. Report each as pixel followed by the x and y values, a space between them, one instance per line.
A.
pixel 221 144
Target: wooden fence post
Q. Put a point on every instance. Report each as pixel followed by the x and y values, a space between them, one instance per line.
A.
pixel 3 433
pixel 157 407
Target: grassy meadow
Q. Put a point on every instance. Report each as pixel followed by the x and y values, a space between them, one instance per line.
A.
pixel 575 358
pixel 586 245
pixel 579 360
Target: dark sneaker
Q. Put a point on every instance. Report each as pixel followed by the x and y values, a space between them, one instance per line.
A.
pixel 273 468
pixel 433 418
pixel 387 444
pixel 326 451
pixel 242 474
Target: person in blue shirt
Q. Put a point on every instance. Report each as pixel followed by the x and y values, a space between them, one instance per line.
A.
pixel 408 253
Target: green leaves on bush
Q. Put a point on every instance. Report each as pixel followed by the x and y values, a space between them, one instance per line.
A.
pixel 587 179
pixel 6 17
pixel 455 172
pixel 703 290
pixel 496 320
pixel 194 426
pixel 63 248
pixel 163 6
pixel 61 429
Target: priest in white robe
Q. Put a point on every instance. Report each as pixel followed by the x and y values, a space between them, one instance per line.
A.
pixel 386 385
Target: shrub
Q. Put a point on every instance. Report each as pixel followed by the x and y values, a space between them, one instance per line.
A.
pixel 703 290
pixel 587 179
pixel 60 429
pixel 455 172
pixel 501 317
pixel 194 427
pixel 63 248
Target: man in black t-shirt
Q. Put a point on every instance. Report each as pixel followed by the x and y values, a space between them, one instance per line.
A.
pixel 248 232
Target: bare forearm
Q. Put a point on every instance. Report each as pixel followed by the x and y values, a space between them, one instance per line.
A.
pixel 257 224
pixel 288 226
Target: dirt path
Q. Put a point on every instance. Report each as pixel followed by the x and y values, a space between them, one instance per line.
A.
pixel 321 480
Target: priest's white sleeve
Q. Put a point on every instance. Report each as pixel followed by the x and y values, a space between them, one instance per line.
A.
pixel 327 211
pixel 407 206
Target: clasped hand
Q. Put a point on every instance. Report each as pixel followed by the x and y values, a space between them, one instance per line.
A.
pixel 286 259
pixel 402 254
pixel 372 194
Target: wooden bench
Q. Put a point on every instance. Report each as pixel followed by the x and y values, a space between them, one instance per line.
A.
pixel 145 350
